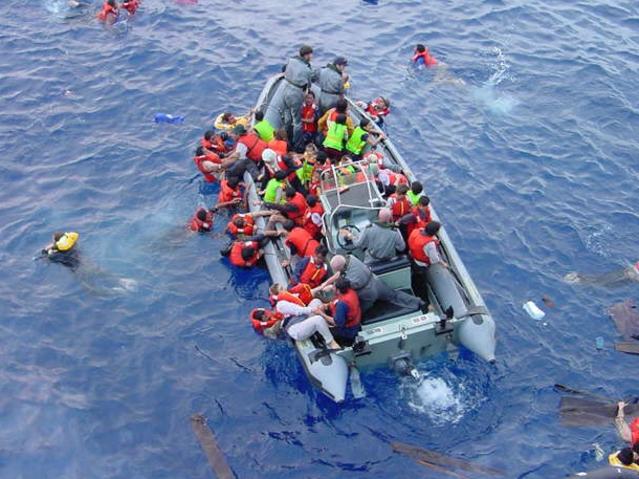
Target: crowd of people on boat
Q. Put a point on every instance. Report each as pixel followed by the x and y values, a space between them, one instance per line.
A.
pixel 287 164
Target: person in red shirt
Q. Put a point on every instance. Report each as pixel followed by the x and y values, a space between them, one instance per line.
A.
pixel 421 56
pixel 310 115
pixel 109 12
pixel 130 6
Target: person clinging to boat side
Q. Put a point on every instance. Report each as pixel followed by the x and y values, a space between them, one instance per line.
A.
pixel 626 458
pixel 628 432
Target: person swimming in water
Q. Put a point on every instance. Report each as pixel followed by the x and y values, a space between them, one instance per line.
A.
pixel 617 277
pixel 62 250
pixel 422 56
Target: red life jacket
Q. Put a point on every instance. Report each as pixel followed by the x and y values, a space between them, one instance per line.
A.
pixel 429 60
pixel 314 273
pixel 417 241
pixel 272 317
pixel 235 256
pixel 131 6
pixel 302 291
pixel 302 241
pixel 227 193
pixel 370 109
pixel 247 230
pixel 399 207
pixel 300 203
pixel 309 113
pixel 278 146
pixel 198 225
pixel 422 219
pixel 634 429
pixel 106 11
pixel 309 225
pixel 254 145
pixel 286 296
pixel 354 316
pixel 199 160
pixel 313 188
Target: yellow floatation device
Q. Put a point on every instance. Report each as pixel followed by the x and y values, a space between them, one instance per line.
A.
pixel 220 124
pixel 613 460
pixel 67 241
pixel 347 85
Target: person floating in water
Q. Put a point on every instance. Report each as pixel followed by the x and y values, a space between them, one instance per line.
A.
pixel 613 278
pixel 131 6
pixel 421 56
pixel 109 12
pixel 62 250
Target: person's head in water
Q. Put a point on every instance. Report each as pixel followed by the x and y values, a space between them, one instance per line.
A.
pixel 239 222
pixel 306 52
pixel 420 48
pixel 432 228
pixel 228 117
pixel 626 456
pixel 248 252
pixel 341 105
pixel 201 214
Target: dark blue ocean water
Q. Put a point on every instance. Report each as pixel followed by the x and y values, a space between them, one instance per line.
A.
pixel 531 164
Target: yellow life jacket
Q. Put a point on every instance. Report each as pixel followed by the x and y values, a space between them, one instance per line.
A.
pixel 67 241
pixel 613 460
pixel 220 124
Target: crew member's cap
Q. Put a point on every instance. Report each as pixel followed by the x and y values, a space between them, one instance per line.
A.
pixel 341 61
pixel 305 50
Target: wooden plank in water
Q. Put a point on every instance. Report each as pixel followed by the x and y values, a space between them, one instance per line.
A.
pixel 213 452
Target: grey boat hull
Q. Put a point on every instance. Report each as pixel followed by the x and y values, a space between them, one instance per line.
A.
pixel 412 336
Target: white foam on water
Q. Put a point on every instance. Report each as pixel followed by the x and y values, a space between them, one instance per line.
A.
pixel 435 398
pixel 487 94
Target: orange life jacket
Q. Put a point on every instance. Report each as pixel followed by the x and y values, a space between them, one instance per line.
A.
pixel 399 207
pixel 235 256
pixel 354 316
pixel 131 6
pixel 300 203
pixel 309 225
pixel 303 291
pixel 247 230
pixel 272 317
pixel 417 241
pixel 314 273
pixel 106 11
pixel 278 146
pixel 422 219
pixel 254 145
pixel 286 296
pixel 199 160
pixel 227 193
pixel 302 240
pixel 198 225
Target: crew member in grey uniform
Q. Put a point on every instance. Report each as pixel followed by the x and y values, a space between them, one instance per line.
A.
pixel 299 75
pixel 331 82
pixel 380 240
pixel 370 288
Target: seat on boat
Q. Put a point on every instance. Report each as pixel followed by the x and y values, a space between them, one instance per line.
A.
pixel 388 265
pixel 383 310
